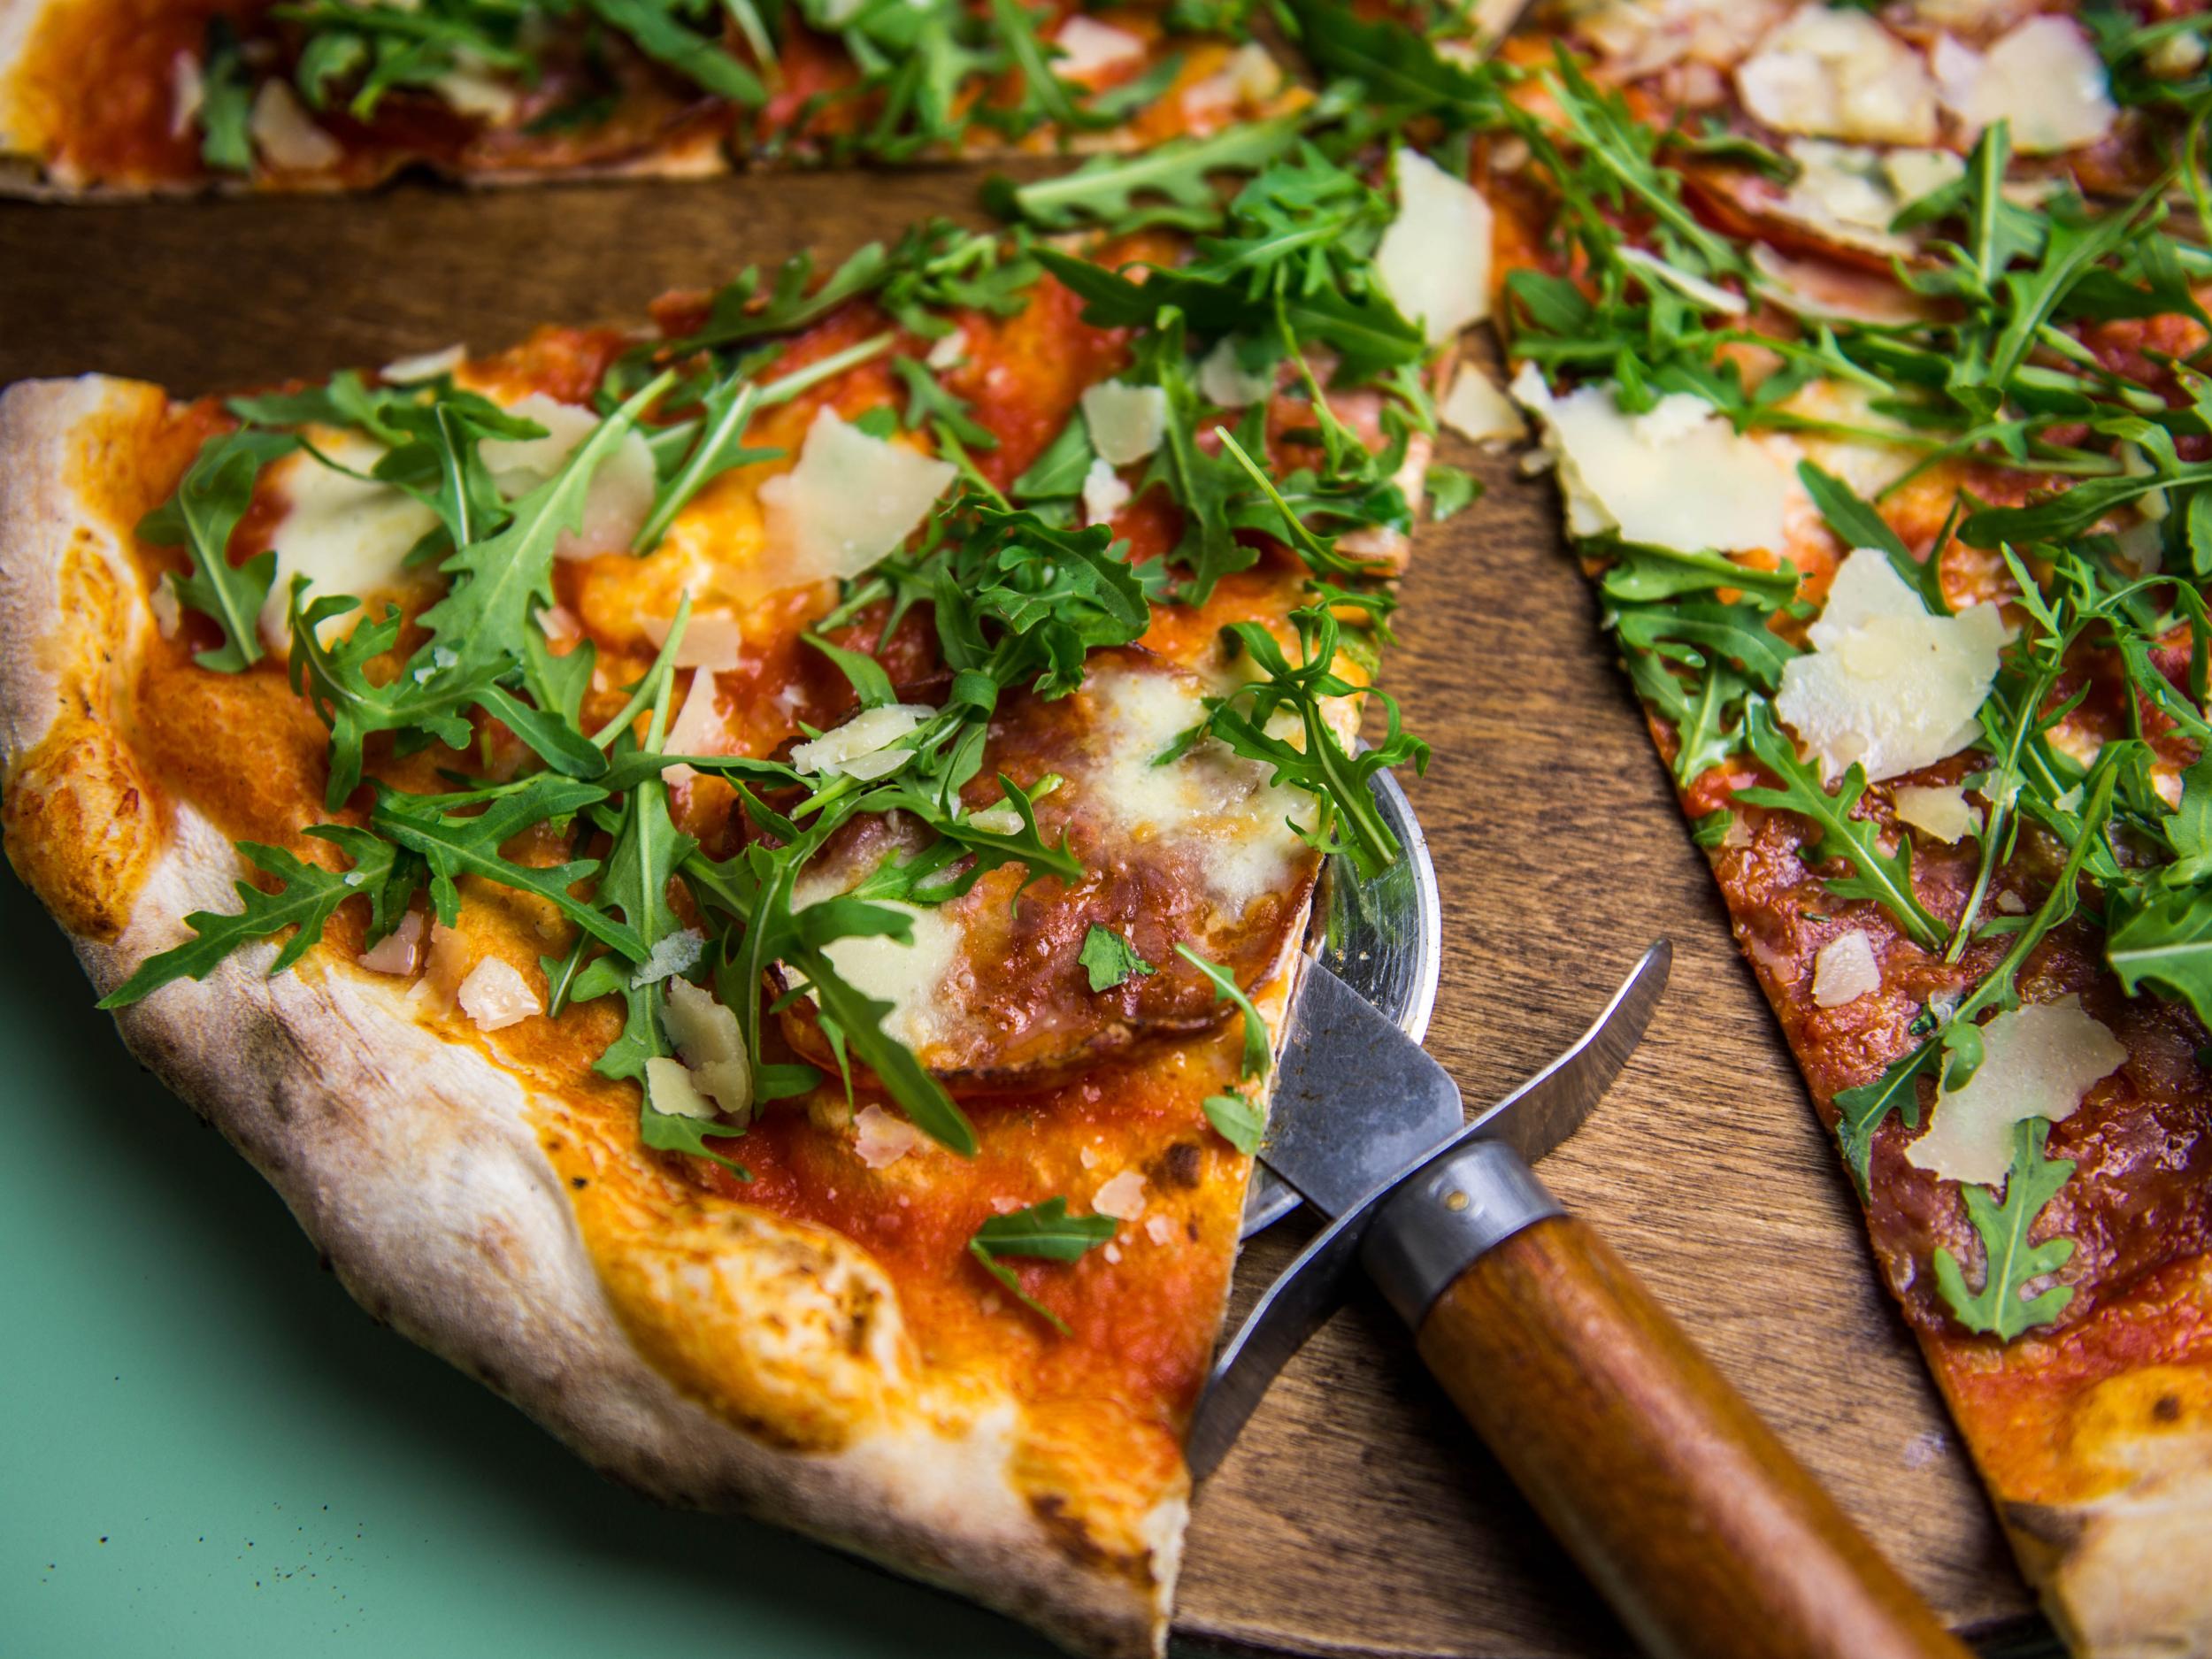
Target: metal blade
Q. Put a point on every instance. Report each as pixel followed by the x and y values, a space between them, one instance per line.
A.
pixel 1384 939
pixel 1355 1099
pixel 1535 1118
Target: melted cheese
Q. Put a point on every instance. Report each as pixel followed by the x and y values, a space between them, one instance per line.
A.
pixel 1887 685
pixel 850 500
pixel 1476 409
pixel 1639 36
pixel 1126 422
pixel 1845 970
pixel 344 535
pixel 1209 799
pixel 2044 77
pixel 1838 73
pixel 2037 1061
pixel 1679 476
pixel 1435 258
pixel 910 977
pixel 619 495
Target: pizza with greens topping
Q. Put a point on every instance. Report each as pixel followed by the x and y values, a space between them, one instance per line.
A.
pixel 103 97
pixel 742 876
pixel 1869 348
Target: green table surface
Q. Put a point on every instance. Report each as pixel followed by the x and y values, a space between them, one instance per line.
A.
pixel 207 1448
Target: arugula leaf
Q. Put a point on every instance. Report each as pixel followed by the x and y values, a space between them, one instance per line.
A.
pixel 1109 959
pixel 859 1018
pixel 1858 524
pixel 1451 491
pixel 1860 1111
pixel 212 498
pixel 226 101
pixel 2010 1262
pixel 1237 1120
pixel 1105 189
pixel 1227 989
pixel 1060 471
pixel 306 898
pixel 1885 877
pixel 869 682
pixel 741 312
pixel 1396 68
pixel 2166 942
pixel 1044 1232
pixel 653 28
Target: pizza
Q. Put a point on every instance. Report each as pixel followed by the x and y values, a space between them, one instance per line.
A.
pixel 108 97
pixel 742 875
pixel 1867 346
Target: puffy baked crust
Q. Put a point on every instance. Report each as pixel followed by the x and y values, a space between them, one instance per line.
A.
pixel 420 1167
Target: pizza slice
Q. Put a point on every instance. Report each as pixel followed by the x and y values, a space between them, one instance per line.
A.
pixel 741 878
pixel 105 97
pixel 1872 377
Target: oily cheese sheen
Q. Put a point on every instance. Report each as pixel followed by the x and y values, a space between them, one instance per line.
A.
pixel 1200 849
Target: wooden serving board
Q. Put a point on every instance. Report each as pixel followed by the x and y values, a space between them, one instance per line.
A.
pixel 1357 1516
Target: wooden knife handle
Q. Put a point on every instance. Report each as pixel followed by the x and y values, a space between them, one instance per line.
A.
pixel 1709 1539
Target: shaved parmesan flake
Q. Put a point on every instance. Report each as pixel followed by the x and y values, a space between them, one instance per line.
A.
pixel 861 748
pixel 471 92
pixel 1838 73
pixel 1843 192
pixel 1679 476
pixel 1126 422
pixel 395 953
pixel 677 953
pixel 1939 808
pixel 188 91
pixel 1122 1197
pixel 850 500
pixel 907 977
pixel 424 366
pixel 1820 287
pixel 1887 685
pixel 495 995
pixel 949 351
pixel 1913 173
pixel 1691 287
pixel 1640 36
pixel 1160 1229
pixel 711 639
pixel 1104 494
pixel 2044 77
pixel 670 1090
pixel 344 535
pixel 1435 258
pixel 1223 380
pixel 167 608
pixel 1251 76
pixel 1475 408
pixel 1845 970
pixel 443 970
pixel 697 729
pixel 1088 47
pixel 2037 1061
pixel 880 1138
pixel 288 140
pixel 621 490
pixel 706 1034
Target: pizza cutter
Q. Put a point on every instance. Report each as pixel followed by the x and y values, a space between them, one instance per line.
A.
pixel 1709 1539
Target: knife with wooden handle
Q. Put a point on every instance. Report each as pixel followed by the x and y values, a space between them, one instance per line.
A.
pixel 1692 1519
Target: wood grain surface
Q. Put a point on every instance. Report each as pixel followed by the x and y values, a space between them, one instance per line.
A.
pixel 1357 1516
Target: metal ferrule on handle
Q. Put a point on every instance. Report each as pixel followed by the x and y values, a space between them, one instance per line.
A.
pixel 1436 1225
